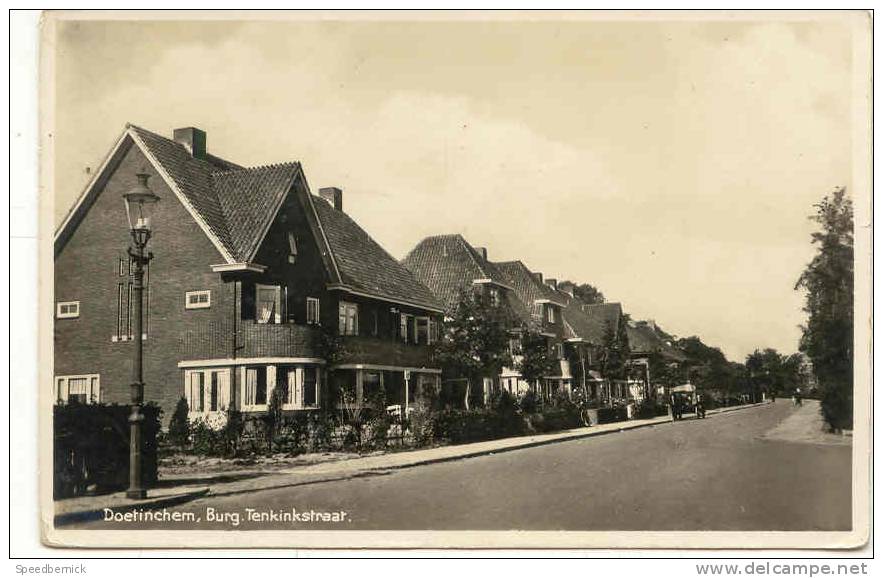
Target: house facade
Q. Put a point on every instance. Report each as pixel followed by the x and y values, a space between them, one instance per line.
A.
pixel 255 284
pixel 546 305
pixel 452 269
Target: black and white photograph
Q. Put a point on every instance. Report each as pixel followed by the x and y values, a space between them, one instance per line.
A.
pixel 455 279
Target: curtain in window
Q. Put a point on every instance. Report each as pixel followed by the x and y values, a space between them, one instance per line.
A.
pixel 292 397
pixel 268 306
pixel 251 386
pixel 195 394
pixel 77 389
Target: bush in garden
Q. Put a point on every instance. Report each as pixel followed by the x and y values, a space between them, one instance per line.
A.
pixel 91 447
pixel 179 425
pixel 529 402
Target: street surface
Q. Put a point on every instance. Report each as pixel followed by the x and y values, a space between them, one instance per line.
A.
pixel 720 473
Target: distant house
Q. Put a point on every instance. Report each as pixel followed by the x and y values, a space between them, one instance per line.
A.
pixel 646 340
pixel 452 269
pixel 252 278
pixel 546 306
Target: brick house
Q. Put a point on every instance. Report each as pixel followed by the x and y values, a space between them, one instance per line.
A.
pixel 646 339
pixel 451 268
pixel 251 276
pixel 546 305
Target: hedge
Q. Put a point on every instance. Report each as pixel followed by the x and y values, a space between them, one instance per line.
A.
pixel 91 448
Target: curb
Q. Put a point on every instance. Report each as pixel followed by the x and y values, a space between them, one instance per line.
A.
pixel 537 443
pixel 149 504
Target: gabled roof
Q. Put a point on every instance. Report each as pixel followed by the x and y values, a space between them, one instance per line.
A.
pixel 645 339
pixel 527 287
pixel 235 206
pixel 364 265
pixel 448 264
pixel 590 322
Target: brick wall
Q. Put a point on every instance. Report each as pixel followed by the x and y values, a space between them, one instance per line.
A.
pixel 87 270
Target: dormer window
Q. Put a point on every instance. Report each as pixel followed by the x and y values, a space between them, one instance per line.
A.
pixel 292 248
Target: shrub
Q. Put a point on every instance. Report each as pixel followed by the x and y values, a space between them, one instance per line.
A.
pixel 612 414
pixel 529 402
pixel 179 425
pixel 91 447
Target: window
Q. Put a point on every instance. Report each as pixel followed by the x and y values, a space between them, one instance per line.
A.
pixel 514 346
pixel 268 304
pixel 67 309
pixel 403 327
pixel 550 313
pixel 195 393
pixel 207 390
pixel 372 385
pixel 120 309
pixel 310 387
pixel 312 311
pixel 422 330
pixel 83 389
pixel 292 248
pixel 255 386
pixel 122 267
pixel 494 295
pixel 559 350
pixel 375 323
pixel 300 386
pixel 198 299
pixel 348 318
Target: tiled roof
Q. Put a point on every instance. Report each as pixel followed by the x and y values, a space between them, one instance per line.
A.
pixel 644 339
pixel 526 286
pixel 248 199
pixel 364 265
pixel 447 265
pixel 590 322
pixel 237 205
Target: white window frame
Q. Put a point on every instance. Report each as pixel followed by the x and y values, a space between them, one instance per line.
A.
pixel 67 315
pixel 313 319
pixel 62 392
pixel 277 314
pixel 207 293
pixel 297 383
pixel 550 313
pixel 345 307
pixel 269 376
pixel 224 399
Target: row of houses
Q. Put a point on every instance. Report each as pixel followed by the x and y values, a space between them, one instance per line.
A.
pixel 253 277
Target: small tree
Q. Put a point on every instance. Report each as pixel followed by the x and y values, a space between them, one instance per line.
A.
pixel 179 425
pixel 614 354
pixel 475 340
pixel 536 359
pixel 273 418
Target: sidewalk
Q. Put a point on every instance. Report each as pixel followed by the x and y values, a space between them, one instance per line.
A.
pixel 92 507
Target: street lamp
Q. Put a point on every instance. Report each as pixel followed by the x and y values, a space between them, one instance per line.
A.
pixel 140 202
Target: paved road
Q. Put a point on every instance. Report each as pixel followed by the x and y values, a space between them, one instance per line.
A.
pixel 713 474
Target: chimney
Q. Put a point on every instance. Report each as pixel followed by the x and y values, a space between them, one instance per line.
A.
pixel 482 251
pixel 553 283
pixel 333 195
pixel 193 140
pixel 538 276
pixel 567 287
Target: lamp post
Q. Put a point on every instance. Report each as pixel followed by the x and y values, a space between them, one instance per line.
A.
pixel 140 201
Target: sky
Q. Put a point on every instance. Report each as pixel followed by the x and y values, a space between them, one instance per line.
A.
pixel 672 164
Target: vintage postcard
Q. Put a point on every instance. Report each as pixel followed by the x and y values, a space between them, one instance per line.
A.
pixel 455 279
